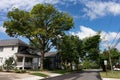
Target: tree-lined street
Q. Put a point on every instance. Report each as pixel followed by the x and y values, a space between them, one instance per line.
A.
pixel 86 75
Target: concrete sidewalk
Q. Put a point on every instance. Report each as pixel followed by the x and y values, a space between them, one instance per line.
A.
pixel 25 76
pixel 18 76
pixel 31 78
pixel 110 79
pixel 50 74
pixel 38 77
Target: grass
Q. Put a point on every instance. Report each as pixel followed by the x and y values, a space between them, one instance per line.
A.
pixel 39 74
pixel 115 74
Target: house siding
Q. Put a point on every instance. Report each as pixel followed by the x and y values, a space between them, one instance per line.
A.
pixel 7 52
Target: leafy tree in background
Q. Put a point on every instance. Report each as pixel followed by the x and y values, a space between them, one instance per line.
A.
pixel 115 56
pixel 70 50
pixel 91 48
pixel 41 26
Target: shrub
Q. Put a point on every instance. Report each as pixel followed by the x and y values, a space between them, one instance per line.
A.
pixel 19 71
pixel 9 64
pixel 1 68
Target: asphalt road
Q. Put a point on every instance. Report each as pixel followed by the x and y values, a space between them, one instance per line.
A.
pixel 86 75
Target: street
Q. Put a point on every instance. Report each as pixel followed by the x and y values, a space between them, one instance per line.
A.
pixel 86 75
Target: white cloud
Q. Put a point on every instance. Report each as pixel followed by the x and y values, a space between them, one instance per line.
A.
pixel 106 37
pixel 96 9
pixel 23 4
pixel 84 32
pixel 109 36
pixel 118 46
pixel 2 30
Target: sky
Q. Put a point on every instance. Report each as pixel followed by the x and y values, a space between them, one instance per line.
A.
pixel 90 17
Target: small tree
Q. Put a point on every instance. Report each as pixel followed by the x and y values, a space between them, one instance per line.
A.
pixel 9 63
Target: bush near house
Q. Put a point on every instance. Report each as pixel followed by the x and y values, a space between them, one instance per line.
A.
pixel 9 64
pixel 19 71
pixel 1 68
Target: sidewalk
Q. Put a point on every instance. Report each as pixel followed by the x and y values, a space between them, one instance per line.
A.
pixel 50 74
pixel 38 77
pixel 110 79
pixel 31 78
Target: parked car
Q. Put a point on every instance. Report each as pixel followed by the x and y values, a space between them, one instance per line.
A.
pixel 116 67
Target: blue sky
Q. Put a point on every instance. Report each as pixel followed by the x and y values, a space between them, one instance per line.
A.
pixel 90 16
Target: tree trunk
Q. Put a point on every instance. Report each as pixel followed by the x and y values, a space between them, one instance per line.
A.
pixel 71 66
pixel 41 60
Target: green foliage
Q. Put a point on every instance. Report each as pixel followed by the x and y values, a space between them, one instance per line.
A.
pixel 91 49
pixel 91 46
pixel 89 65
pixel 70 50
pixel 41 25
pixel 114 54
pixel 19 71
pixel 9 63
pixel 1 68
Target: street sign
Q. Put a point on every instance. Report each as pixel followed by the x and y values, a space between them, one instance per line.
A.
pixel 105 62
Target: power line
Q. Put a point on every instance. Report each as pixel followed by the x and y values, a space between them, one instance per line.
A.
pixel 117 43
pixel 115 38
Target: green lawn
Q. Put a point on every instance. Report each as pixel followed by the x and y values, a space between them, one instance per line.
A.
pixel 115 74
pixel 39 74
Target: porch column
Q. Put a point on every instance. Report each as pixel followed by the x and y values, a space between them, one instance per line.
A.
pixel 23 62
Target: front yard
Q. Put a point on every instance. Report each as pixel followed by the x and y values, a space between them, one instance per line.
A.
pixel 109 74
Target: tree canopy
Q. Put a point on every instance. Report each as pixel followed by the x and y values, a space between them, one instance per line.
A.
pixel 91 47
pixel 114 53
pixel 70 49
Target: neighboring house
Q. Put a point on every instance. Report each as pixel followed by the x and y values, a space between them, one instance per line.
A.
pixel 24 55
pixel 52 60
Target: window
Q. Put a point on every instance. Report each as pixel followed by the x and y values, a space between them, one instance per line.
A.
pixel 28 59
pixel 19 59
pixel 12 48
pixel 1 49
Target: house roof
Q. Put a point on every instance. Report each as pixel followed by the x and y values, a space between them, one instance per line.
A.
pixel 27 55
pixel 50 54
pixel 12 42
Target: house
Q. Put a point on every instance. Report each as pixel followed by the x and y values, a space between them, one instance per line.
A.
pixel 52 60
pixel 22 53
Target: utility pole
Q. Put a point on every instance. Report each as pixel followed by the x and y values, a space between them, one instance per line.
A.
pixel 109 56
pixel 110 61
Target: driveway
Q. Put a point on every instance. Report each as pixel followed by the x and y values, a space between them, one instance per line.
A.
pixel 16 76
pixel 86 75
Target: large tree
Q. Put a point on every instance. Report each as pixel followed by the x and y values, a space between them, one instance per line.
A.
pixel 91 48
pixel 41 25
pixel 70 49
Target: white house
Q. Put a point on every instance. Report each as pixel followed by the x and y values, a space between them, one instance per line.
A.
pixel 22 53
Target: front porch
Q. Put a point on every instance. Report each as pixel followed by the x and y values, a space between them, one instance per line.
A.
pixel 25 61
